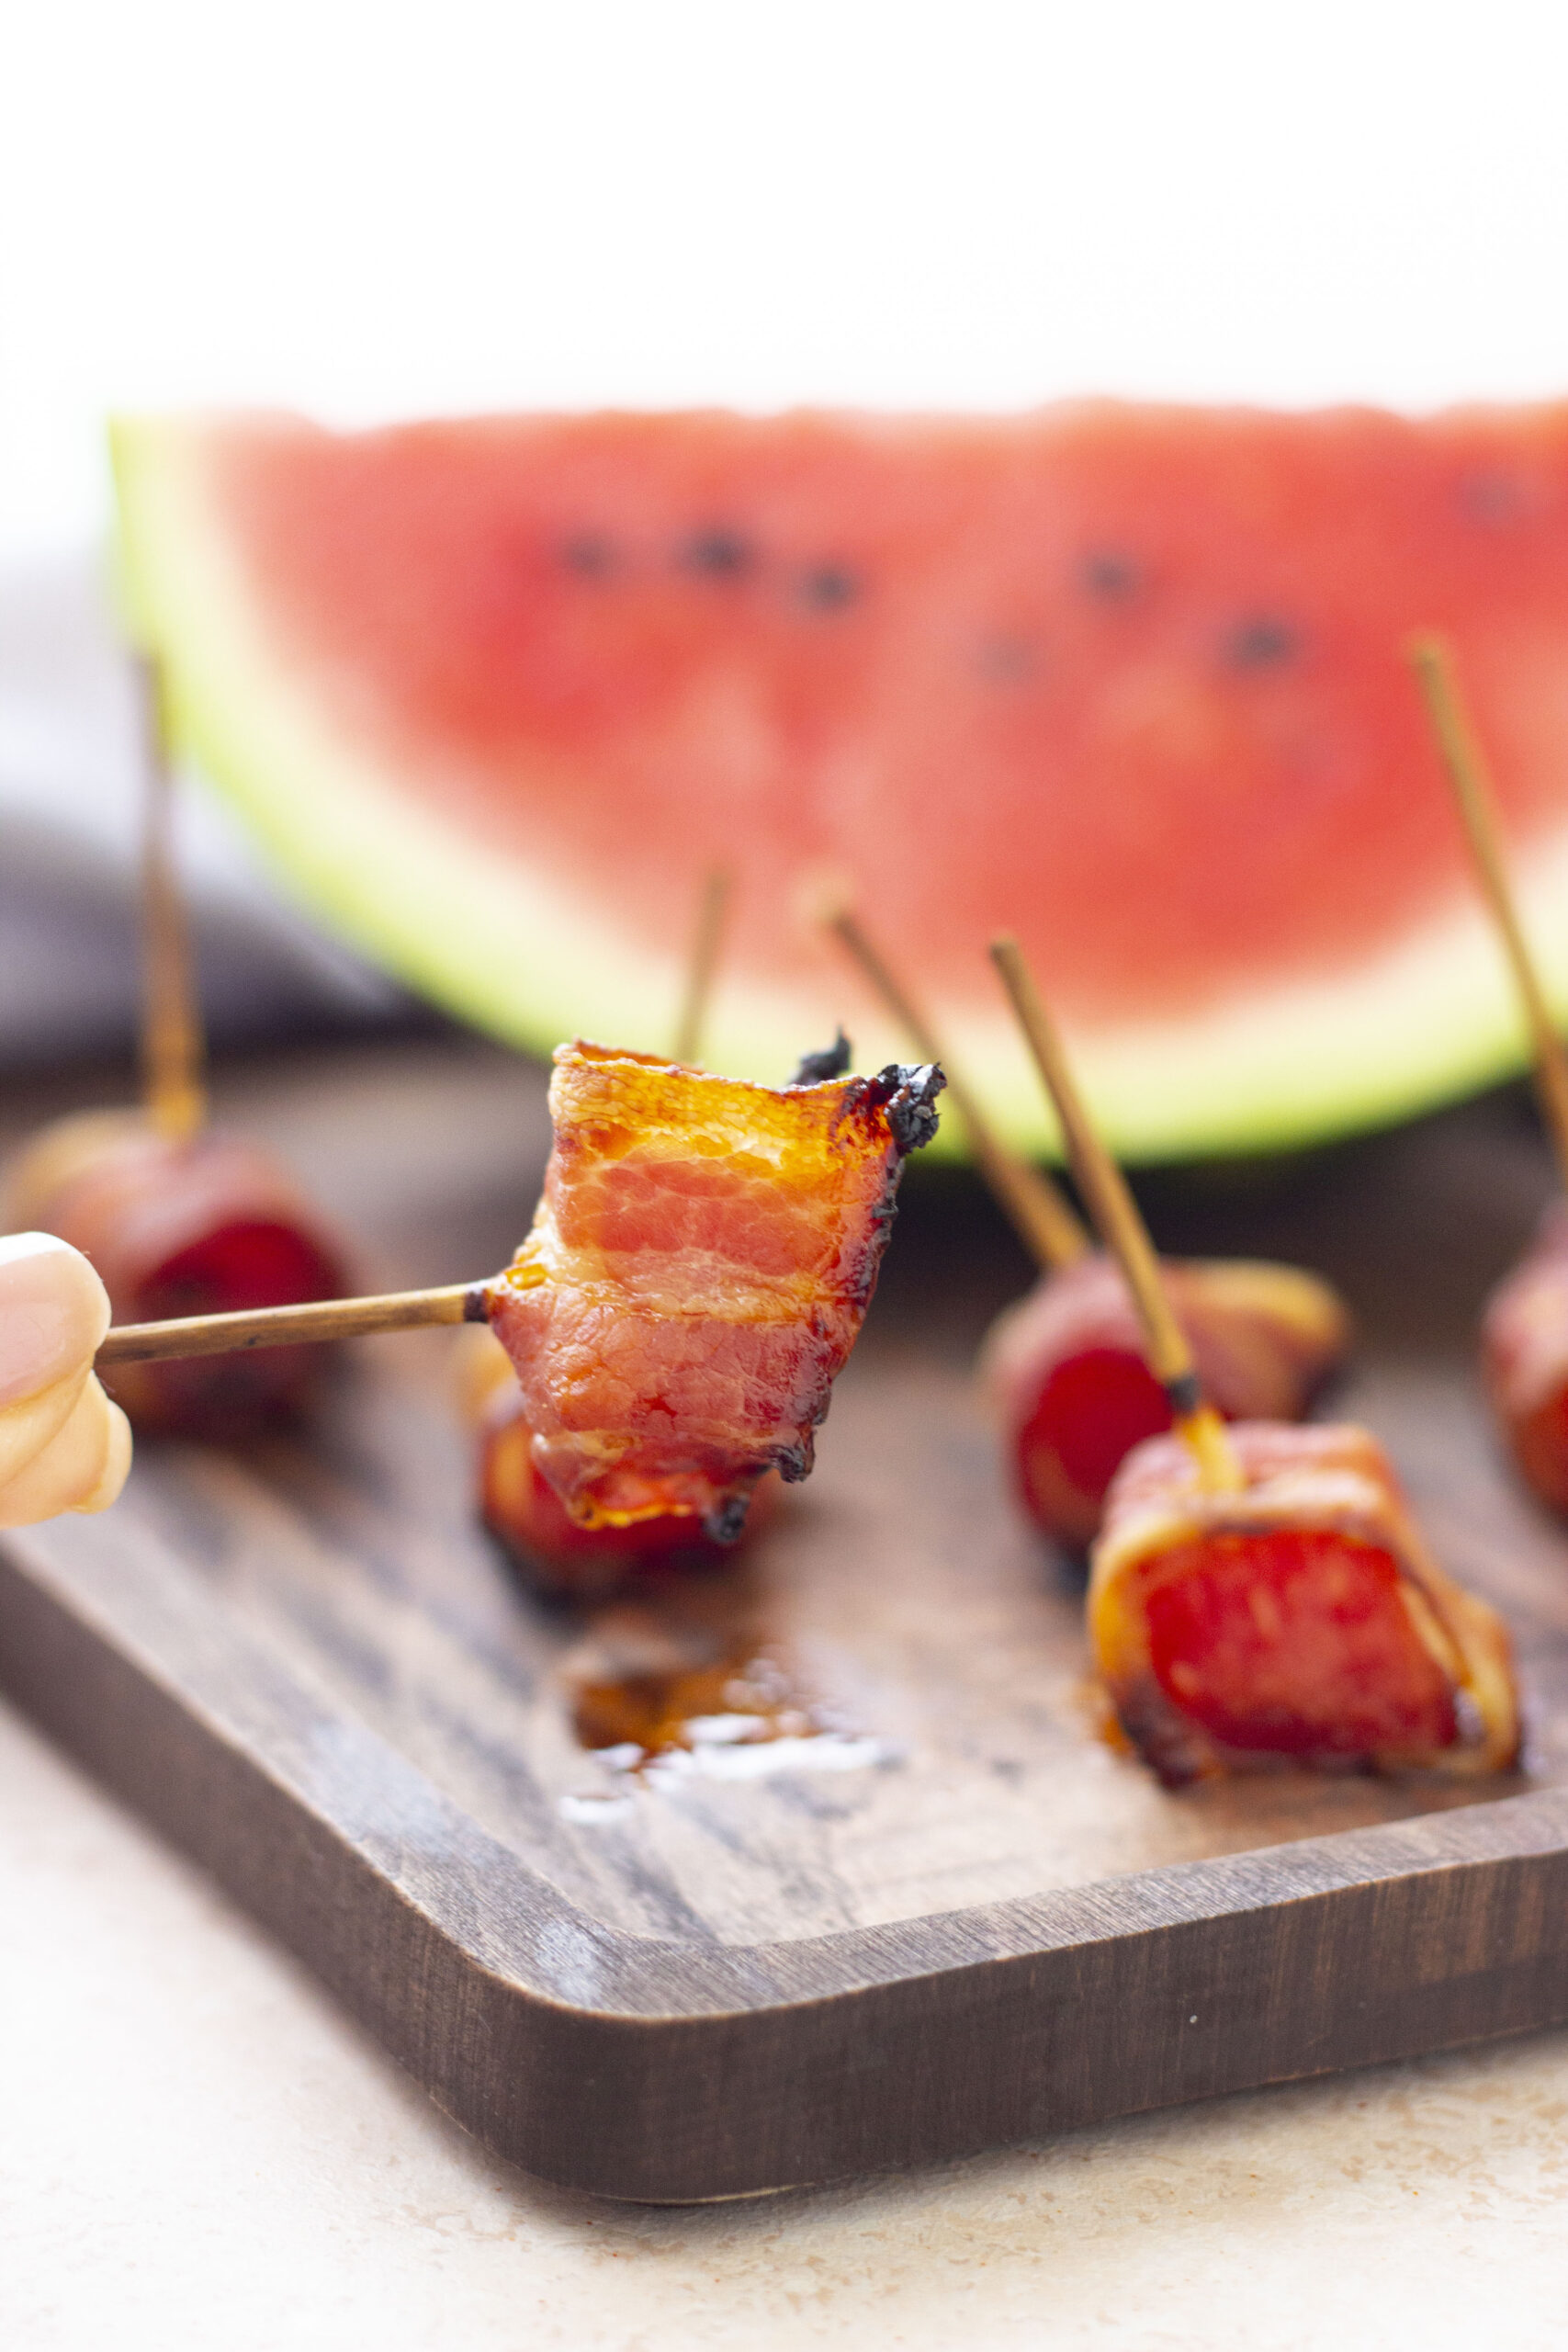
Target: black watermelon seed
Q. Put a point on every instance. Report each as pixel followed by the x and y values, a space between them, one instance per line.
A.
pixel 1261 644
pixel 717 555
pixel 1006 660
pixel 828 587
pixel 589 555
pixel 1492 497
pixel 1114 577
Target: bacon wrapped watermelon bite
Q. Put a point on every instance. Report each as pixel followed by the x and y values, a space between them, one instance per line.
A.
pixel 1073 1393
pixel 176 1225
pixel 1297 1619
pixel 1524 1337
pixel 1524 1361
pixel 698 1270
pixel 516 1502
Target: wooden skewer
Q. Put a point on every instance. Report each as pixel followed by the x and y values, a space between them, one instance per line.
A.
pixel 1042 1217
pixel 290 1326
pixel 172 1047
pixel 1433 665
pixel 1122 1230
pixel 707 941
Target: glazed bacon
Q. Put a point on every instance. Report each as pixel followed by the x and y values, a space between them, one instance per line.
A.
pixel 698 1270
pixel 1300 1622
pixel 1069 1380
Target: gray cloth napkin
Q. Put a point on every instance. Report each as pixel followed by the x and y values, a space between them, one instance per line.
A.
pixel 70 804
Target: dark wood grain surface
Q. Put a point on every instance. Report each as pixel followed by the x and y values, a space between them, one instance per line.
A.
pixel 962 1918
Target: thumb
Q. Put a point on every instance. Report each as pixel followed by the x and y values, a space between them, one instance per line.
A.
pixel 53 1312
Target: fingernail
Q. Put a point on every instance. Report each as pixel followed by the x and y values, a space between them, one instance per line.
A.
pixel 53 1312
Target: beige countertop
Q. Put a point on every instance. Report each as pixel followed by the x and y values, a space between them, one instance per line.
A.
pixel 197 2149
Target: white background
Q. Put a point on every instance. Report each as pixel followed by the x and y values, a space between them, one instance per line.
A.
pixel 367 207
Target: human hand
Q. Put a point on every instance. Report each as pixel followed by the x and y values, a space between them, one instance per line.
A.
pixel 63 1446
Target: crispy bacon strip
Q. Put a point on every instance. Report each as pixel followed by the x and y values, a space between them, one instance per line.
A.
pixel 1302 1622
pixel 1073 1393
pixel 698 1270
pixel 1524 1361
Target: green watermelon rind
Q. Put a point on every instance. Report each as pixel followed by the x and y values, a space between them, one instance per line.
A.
pixel 531 960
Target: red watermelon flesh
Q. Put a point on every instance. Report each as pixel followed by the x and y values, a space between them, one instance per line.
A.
pixel 1126 681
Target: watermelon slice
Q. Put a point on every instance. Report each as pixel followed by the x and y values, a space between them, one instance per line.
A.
pixel 1125 680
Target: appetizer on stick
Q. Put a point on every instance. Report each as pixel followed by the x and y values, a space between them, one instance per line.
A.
pixel 699 1267
pixel 1065 1367
pixel 1524 1331
pixel 177 1220
pixel 1260 1596
pixel 517 1504
pixel 1071 1386
pixel 1294 1619
pixel 179 1225
pixel 1524 1361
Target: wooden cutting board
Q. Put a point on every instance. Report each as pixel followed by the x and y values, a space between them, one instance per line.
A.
pixel 953 1915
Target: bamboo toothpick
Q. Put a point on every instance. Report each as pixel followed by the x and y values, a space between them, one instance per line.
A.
pixel 288 1327
pixel 1041 1215
pixel 172 1043
pixel 1122 1230
pixel 707 941
pixel 1432 661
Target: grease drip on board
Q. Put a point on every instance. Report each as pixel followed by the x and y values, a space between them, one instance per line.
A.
pixel 657 1697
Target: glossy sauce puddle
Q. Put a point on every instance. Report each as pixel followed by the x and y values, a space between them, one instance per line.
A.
pixel 697 1688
